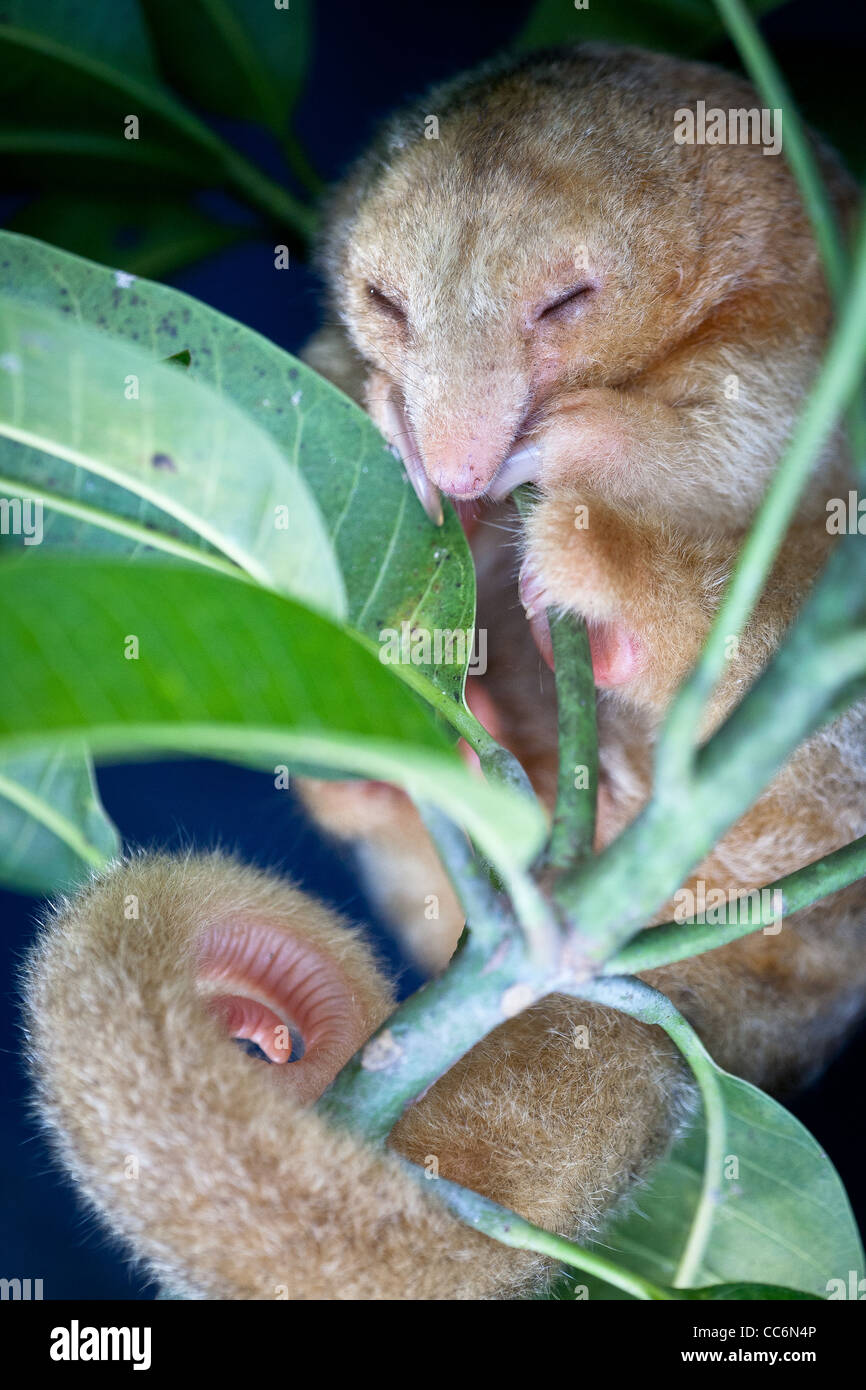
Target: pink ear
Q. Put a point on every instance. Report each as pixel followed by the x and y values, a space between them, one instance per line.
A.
pixel 266 985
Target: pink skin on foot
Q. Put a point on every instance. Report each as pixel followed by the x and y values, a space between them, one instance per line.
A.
pixel 617 655
pixel 261 982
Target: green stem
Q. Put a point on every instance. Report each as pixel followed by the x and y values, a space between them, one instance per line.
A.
pixel 533 911
pixel 283 207
pixel 486 912
pixel 573 831
pixel 489 916
pixel 298 161
pixel 674 941
pixel 83 144
pixel 497 763
pixel 265 90
pixel 758 62
pixel 681 824
pixel 510 1229
pixel 429 1033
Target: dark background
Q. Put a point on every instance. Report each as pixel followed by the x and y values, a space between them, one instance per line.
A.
pixel 367 58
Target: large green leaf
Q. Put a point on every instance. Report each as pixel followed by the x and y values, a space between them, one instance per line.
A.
pixel 221 667
pixel 233 57
pixel 396 566
pixel 176 442
pixel 53 829
pixel 773 1211
pixel 673 26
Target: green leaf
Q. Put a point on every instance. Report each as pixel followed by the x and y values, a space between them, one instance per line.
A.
pixel 773 1211
pixel 53 829
pixel 116 37
pixel 225 669
pixel 752 1293
pixel 598 1275
pixel 143 236
pixel 67 61
pixel 746 1194
pixel 563 1291
pixel 396 566
pixel 72 68
pixel 672 26
pixel 89 161
pixel 106 406
pixel 232 57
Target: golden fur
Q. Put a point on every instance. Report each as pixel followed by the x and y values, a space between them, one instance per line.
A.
pixel 708 275
pixel 707 272
pixel 206 1163
pixel 703 270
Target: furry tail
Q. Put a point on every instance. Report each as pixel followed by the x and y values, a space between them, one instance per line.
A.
pixel 210 1164
pixel 206 1160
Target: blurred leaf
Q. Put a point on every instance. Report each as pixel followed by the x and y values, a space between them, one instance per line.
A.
pixel 153 236
pixel 396 566
pixel 776 1212
pixel 113 36
pixel 232 57
pixel 72 64
pixel 225 669
pixel 685 27
pixel 53 829
pixel 61 157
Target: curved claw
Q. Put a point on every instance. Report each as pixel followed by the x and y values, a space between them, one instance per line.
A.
pixel 400 437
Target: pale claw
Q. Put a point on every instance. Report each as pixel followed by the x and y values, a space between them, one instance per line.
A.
pixel 399 434
pixel 521 466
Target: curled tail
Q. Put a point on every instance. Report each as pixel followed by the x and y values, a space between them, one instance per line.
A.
pixel 211 1165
